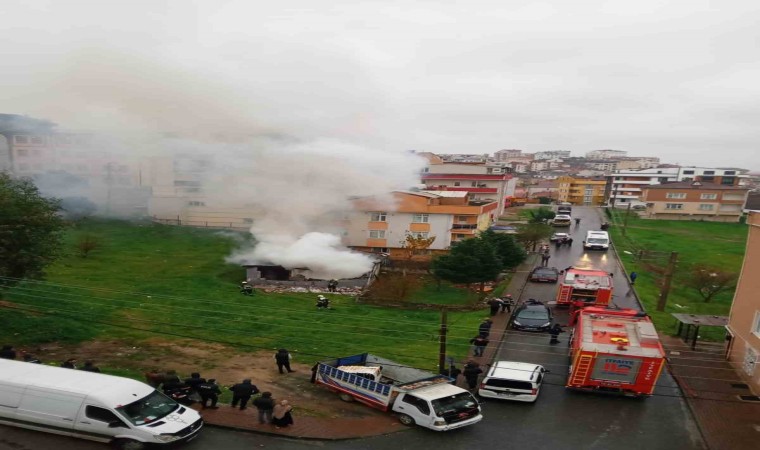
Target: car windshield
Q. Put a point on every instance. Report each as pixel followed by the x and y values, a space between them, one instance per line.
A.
pixel 533 313
pixel 454 403
pixel 597 241
pixel 148 409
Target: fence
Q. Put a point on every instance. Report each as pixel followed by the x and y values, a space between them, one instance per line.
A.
pixel 202 224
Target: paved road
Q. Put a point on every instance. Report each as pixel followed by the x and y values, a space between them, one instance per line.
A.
pixel 560 419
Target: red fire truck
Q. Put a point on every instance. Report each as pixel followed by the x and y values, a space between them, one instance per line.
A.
pixel 579 288
pixel 614 350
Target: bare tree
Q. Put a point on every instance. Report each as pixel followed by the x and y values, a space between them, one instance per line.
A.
pixel 86 244
pixel 710 281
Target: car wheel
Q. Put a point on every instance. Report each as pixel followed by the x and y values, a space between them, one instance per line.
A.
pixel 406 420
pixel 128 444
pixel 345 397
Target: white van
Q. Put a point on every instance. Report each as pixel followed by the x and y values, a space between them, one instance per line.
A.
pixel 510 380
pixel 597 240
pixel 93 406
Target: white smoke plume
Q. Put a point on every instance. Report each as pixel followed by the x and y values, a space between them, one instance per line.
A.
pixel 301 193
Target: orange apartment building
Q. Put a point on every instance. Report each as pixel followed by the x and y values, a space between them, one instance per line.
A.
pixel 381 225
pixel 581 191
pixel 744 319
pixel 695 200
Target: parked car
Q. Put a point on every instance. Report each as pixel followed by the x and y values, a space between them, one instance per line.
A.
pixel 511 380
pixel 548 274
pixel 561 220
pixel 532 316
pixel 559 237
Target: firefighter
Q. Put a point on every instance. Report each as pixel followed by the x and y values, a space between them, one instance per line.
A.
pixel 554 332
pixel 246 288
pixel 323 302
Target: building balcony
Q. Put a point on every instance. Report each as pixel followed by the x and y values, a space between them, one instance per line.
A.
pixel 463 226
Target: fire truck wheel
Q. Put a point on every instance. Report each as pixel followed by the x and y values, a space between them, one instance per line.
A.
pixel 345 397
pixel 406 420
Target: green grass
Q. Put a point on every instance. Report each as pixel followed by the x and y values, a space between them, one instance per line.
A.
pixel 149 280
pixel 711 243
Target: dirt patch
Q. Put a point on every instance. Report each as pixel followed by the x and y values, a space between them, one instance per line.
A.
pixel 225 364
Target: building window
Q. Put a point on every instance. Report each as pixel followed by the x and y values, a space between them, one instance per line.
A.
pixel 195 203
pixel 729 172
pixel 462 219
pixel 673 205
pixel 22 152
pixel 37 140
pixel 380 250
pixel 21 139
pixel 756 324
pixel 688 172
pixel 377 234
pixel 706 207
pixel 420 218
pixel 728 181
pixel 378 217
pixel 708 196
pixel 709 172
pixel 456 183
pixel 418 234
pixel 709 179
pixel 675 195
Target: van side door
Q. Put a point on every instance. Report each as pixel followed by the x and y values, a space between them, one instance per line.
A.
pixel 52 409
pixel 10 398
pixel 99 423
pixel 414 407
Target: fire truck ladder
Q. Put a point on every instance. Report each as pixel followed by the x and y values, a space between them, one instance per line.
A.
pixel 582 368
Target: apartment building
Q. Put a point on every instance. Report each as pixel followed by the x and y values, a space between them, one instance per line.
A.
pixel 606 154
pixel 552 154
pixel 505 155
pixel 744 319
pixel 625 186
pixel 380 226
pixel 581 191
pixel 546 164
pixel 484 182
pixel 695 200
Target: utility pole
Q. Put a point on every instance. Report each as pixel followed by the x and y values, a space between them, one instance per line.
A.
pixel 665 289
pixel 625 220
pixel 442 341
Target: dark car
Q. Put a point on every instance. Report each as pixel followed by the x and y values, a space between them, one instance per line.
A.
pixel 548 274
pixel 532 316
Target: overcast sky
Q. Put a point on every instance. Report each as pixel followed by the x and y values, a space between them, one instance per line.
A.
pixel 674 79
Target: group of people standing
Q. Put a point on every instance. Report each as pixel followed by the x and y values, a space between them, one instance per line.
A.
pixel 9 352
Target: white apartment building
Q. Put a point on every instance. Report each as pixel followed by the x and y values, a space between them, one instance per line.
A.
pixel 626 185
pixel 505 155
pixel 552 154
pixel 606 154
pixel 542 165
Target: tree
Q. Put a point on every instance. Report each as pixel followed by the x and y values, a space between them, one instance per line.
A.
pixel 531 234
pixel 538 215
pixel 30 230
pixel 510 254
pixel 469 261
pixel 710 281
pixel 87 243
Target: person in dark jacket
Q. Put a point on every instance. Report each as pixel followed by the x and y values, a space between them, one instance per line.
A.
pixel 7 352
pixel 242 392
pixel 194 381
pixel 471 373
pixel 282 358
pixel 480 344
pixel 69 364
pixel 209 390
pixel 494 304
pixel 90 367
pixel 265 405
pixel 506 303
pixel 28 357
pixel 484 329
pixel 634 275
pixel 554 332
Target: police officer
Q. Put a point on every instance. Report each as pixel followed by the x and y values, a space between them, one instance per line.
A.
pixel 282 358
pixel 209 390
pixel 194 381
pixel 554 332
pixel 242 392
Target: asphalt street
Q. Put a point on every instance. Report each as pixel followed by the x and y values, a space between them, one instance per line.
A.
pixel 560 419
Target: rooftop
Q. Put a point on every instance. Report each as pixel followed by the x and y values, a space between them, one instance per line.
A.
pixel 697 186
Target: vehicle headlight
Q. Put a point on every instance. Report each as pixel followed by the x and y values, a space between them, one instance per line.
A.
pixel 517 323
pixel 439 422
pixel 547 324
pixel 166 438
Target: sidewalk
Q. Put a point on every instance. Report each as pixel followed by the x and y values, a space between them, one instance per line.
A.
pixel 373 423
pixel 712 390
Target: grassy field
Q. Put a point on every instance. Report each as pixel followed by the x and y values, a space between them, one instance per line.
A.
pixel 148 280
pixel 715 244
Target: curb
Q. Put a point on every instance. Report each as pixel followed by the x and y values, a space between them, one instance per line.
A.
pixel 301 438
